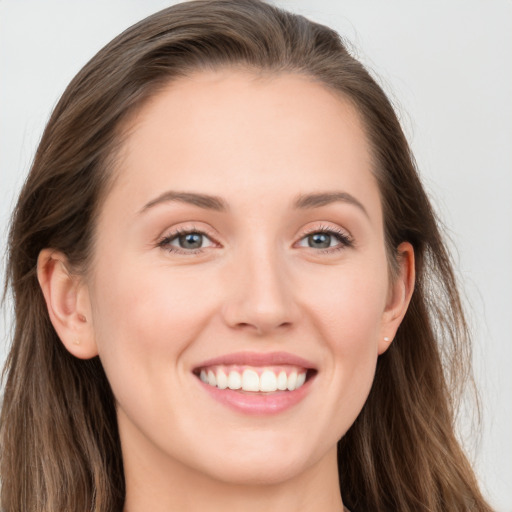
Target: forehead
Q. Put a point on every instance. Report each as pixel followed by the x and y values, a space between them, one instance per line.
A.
pixel 239 133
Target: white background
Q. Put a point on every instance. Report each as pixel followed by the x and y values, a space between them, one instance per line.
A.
pixel 447 66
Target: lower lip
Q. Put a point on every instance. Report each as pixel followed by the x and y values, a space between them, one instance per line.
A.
pixel 258 403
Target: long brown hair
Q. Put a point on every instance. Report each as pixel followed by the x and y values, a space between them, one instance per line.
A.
pixel 60 448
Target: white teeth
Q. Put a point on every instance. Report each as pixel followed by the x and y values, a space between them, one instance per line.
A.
pixel 212 380
pixel 250 381
pixel 282 381
pixel 265 380
pixel 268 381
pixel 234 380
pixel 292 381
pixel 222 380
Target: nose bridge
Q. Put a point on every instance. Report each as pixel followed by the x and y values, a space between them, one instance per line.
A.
pixel 261 296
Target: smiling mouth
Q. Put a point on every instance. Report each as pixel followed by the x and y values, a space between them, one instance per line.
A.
pixel 257 379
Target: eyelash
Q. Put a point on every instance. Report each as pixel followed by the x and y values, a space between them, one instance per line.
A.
pixel 345 240
pixel 165 243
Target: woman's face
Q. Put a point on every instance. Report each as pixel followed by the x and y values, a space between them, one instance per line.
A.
pixel 242 244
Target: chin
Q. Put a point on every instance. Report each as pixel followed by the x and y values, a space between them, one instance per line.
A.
pixel 263 473
pixel 265 462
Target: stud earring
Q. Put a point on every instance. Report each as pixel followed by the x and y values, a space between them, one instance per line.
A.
pixel 386 338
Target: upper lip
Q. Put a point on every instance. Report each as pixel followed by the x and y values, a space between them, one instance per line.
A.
pixel 258 359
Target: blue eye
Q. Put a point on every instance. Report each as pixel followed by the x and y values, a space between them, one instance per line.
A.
pixel 193 241
pixel 190 241
pixel 320 240
pixel 326 238
pixel 186 242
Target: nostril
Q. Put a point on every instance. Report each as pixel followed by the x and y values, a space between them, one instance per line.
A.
pixel 261 328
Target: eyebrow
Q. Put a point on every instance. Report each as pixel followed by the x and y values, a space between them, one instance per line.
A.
pixel 216 203
pixel 306 201
pixel 202 200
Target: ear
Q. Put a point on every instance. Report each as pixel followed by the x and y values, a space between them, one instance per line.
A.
pixel 67 300
pixel 399 296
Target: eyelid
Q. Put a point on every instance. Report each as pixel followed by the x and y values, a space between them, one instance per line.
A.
pixel 327 228
pixel 170 235
pixel 344 236
pixel 345 239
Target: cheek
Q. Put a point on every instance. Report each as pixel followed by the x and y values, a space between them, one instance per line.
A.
pixel 142 313
pixel 349 318
pixel 350 314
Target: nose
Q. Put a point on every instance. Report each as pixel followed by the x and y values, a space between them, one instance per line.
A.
pixel 261 294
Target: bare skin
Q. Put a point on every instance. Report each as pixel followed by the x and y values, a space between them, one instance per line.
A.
pixel 177 280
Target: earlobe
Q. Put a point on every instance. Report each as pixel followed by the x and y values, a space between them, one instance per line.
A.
pixel 67 300
pixel 400 294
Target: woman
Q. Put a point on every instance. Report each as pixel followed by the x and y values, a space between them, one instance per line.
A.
pixel 230 287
